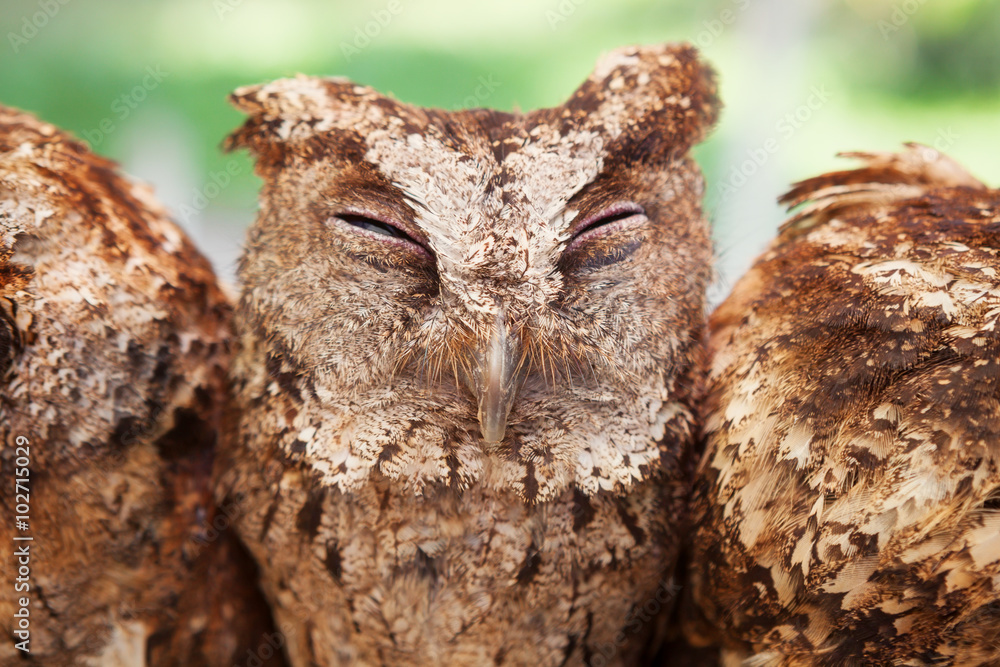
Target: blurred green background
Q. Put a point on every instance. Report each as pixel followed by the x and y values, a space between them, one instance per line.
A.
pixel 145 82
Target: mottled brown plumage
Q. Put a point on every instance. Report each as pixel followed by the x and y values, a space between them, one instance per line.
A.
pixel 847 509
pixel 113 350
pixel 469 357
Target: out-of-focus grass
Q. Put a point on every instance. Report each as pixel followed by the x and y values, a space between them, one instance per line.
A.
pixel 937 71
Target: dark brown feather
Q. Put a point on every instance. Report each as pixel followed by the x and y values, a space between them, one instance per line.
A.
pixel 114 342
pixel 853 425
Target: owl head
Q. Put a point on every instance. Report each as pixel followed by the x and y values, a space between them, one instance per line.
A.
pixel 513 298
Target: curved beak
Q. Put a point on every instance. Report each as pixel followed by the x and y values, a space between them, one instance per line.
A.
pixel 496 381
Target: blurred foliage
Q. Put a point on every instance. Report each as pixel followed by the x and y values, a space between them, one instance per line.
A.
pixel 896 70
pixel 950 49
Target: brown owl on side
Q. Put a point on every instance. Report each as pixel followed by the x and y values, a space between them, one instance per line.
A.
pixel 848 508
pixel 113 351
pixel 470 346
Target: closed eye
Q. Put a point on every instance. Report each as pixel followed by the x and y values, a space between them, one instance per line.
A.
pixel 610 220
pixel 379 230
pixel 372 225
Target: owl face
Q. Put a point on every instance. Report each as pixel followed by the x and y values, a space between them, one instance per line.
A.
pixel 520 290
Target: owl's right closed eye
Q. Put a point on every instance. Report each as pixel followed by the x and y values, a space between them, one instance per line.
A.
pixel 470 348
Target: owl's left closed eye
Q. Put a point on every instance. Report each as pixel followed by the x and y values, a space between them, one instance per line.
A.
pixel 607 237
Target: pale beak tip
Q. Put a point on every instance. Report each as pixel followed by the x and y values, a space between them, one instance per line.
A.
pixel 493 429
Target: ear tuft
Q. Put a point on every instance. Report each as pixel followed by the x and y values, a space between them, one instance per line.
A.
pixel 291 110
pixel 662 91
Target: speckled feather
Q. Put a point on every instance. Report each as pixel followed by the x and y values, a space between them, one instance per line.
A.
pixel 847 508
pixel 114 341
pixel 387 529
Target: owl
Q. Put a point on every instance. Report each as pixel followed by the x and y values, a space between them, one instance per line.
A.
pixel 847 509
pixel 469 350
pixel 114 345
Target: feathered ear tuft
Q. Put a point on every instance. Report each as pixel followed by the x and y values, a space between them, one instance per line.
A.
pixel 662 97
pixel 883 179
pixel 289 111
